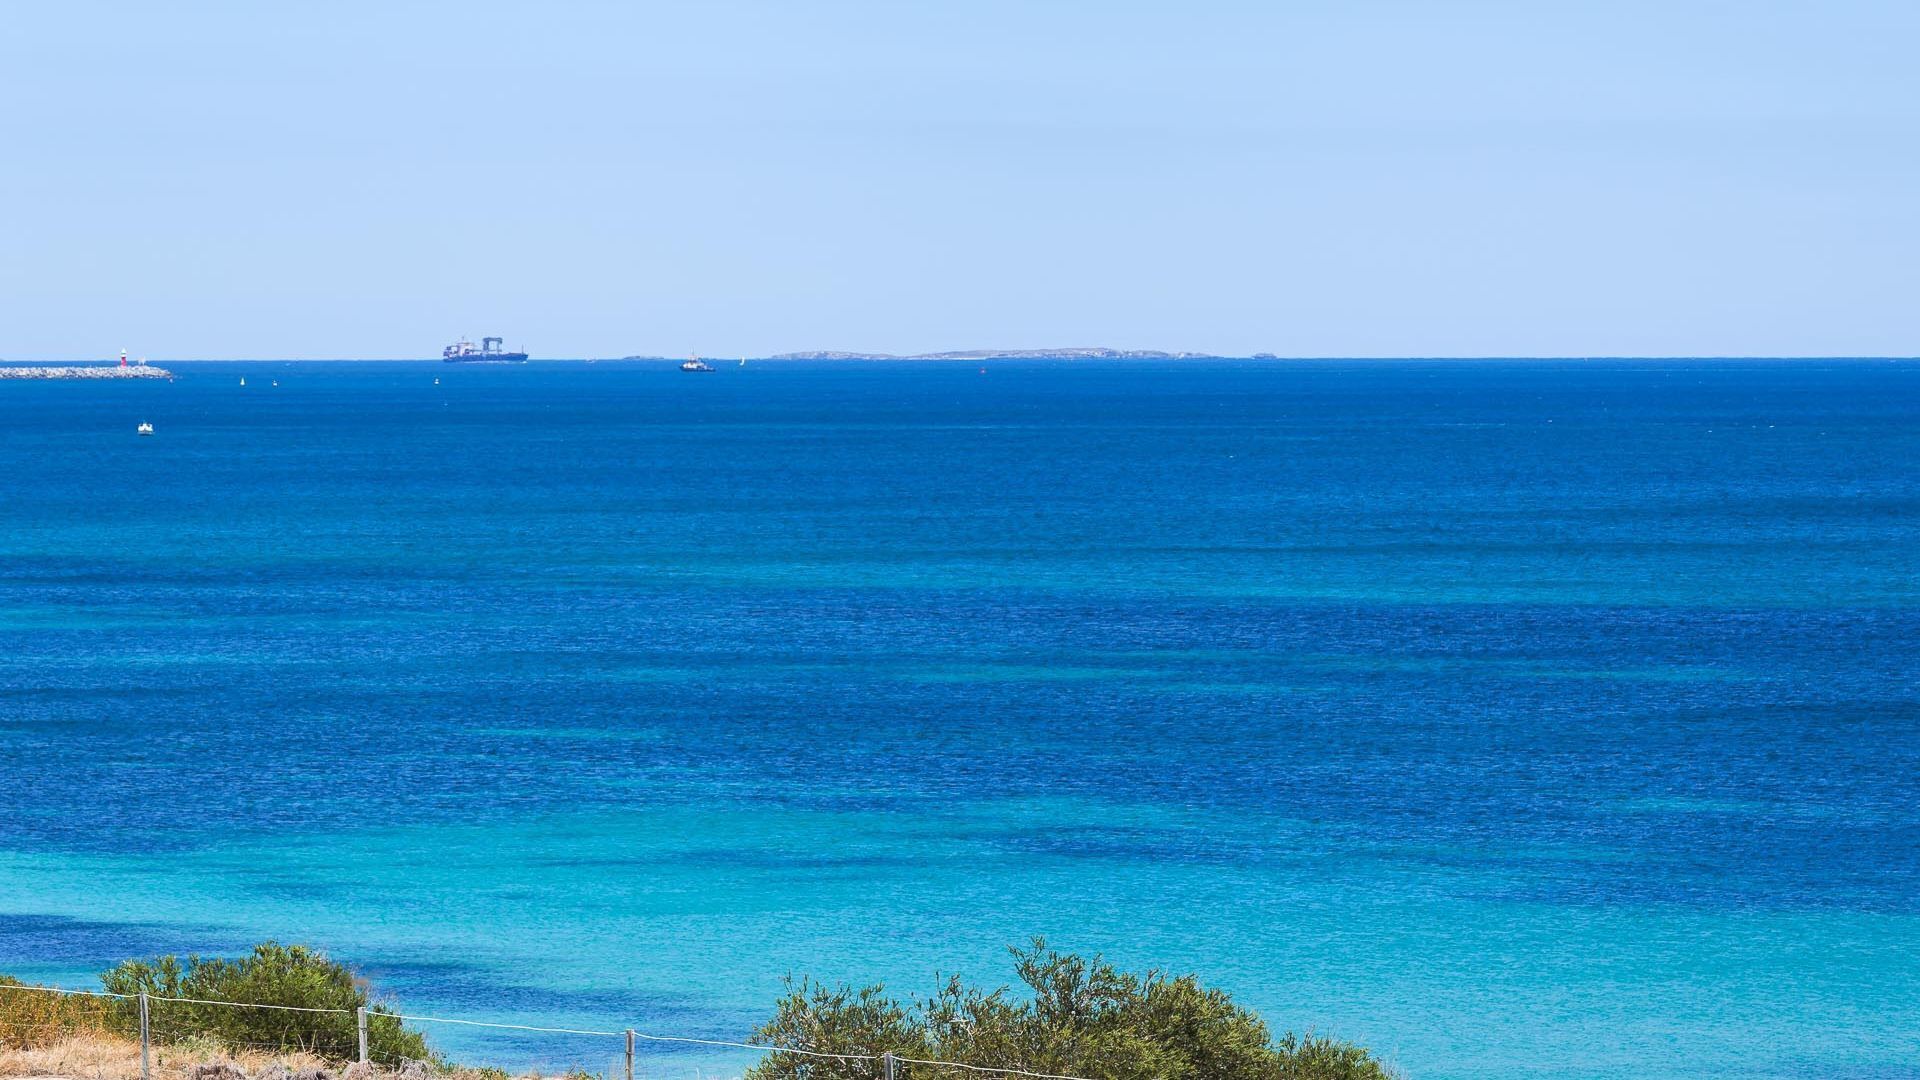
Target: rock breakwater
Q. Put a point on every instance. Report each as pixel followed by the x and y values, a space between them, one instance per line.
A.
pixel 94 371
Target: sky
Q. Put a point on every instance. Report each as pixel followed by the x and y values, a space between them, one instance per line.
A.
pixel 1359 178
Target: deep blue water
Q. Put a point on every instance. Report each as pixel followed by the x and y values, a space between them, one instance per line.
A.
pixel 1512 718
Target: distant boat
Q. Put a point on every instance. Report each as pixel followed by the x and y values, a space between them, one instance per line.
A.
pixel 436 382
pixel 243 380
pixel 696 364
pixel 491 350
pixel 144 428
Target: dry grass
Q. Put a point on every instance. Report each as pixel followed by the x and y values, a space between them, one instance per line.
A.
pixel 102 1056
pixel 99 1056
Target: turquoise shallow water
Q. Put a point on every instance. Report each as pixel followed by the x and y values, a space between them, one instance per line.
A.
pixel 1507 717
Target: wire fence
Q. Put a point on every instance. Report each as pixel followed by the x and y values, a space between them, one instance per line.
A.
pixel 364 1036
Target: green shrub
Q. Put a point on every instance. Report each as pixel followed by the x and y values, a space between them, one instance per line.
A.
pixel 1079 1017
pixel 273 974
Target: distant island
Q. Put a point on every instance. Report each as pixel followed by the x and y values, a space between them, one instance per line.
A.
pixel 1076 353
pixel 1094 353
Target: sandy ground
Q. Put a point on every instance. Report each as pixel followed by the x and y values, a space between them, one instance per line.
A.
pixel 106 1057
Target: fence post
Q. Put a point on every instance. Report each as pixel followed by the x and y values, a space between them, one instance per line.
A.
pixel 629 1054
pixel 887 1063
pixel 362 1020
pixel 146 1040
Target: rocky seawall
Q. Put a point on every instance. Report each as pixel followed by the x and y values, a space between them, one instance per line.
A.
pixel 94 371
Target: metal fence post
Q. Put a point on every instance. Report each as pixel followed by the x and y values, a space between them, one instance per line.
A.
pixel 629 1054
pixel 146 1071
pixel 362 1019
pixel 887 1063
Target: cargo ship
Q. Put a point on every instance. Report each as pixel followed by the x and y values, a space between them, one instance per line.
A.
pixel 491 350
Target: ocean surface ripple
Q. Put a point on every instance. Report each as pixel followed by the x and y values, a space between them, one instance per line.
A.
pixel 1510 718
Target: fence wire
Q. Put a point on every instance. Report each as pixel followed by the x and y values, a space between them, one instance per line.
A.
pixel 161 1023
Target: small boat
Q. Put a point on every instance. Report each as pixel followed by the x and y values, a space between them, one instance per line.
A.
pixel 436 382
pixel 243 380
pixel 144 428
pixel 696 364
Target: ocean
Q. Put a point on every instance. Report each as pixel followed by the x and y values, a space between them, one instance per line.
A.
pixel 1510 718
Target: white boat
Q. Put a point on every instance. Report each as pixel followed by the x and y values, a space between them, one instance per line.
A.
pixel 243 380
pixel 144 428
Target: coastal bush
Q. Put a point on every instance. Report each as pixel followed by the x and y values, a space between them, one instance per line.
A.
pixel 33 1018
pixel 1078 1017
pixel 294 977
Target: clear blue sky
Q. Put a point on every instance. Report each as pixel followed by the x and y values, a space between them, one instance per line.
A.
pixel 1338 178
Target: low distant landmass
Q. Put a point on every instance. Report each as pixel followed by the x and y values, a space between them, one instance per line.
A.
pixel 1094 353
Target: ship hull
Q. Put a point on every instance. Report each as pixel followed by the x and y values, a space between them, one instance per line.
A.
pixel 487 358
